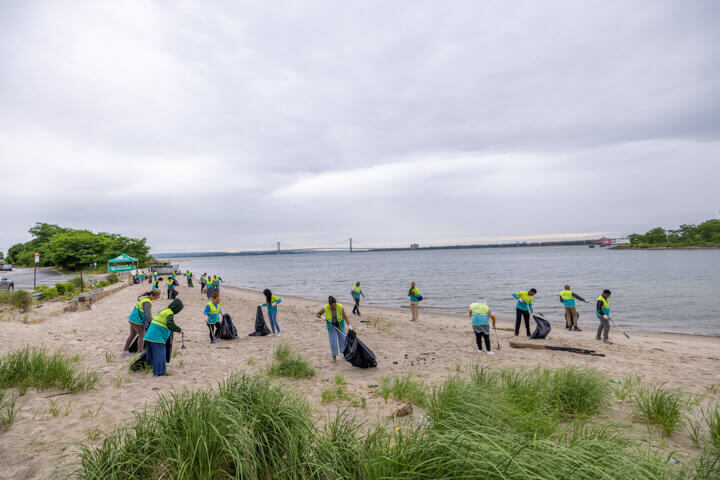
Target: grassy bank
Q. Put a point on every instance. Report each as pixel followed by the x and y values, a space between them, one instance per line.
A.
pixel 492 424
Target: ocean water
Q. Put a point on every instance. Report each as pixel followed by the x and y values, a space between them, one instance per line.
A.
pixel 658 291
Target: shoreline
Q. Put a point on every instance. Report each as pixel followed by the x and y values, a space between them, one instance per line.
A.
pixel 505 318
pixel 623 247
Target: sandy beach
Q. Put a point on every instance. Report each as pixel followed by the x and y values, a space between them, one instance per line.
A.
pixel 39 445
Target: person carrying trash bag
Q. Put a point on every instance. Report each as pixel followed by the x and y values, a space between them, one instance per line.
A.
pixel 523 309
pixel 213 312
pixel 188 277
pixel 567 298
pixel 356 292
pixel 271 302
pixel 335 320
pixel 203 281
pixel 480 315
pixel 209 286
pixel 602 310
pixel 158 334
pixel 139 319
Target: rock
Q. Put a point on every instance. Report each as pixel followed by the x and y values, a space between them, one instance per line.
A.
pixel 403 411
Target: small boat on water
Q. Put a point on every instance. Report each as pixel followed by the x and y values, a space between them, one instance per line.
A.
pixel 591 246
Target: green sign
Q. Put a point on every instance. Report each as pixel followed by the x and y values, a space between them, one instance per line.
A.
pixel 120 268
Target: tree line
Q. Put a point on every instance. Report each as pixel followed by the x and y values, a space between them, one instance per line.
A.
pixel 707 234
pixel 74 250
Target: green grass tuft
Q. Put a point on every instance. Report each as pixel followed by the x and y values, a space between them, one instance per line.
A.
pixel 660 406
pixel 404 388
pixel 712 420
pixel 7 412
pixel 35 367
pixel 290 364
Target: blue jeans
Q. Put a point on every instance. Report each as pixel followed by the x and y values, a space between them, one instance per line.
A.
pixel 156 357
pixel 336 336
pixel 273 321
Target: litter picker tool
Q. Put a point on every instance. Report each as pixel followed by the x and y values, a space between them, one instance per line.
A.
pixel 497 339
pixel 182 341
pixel 616 326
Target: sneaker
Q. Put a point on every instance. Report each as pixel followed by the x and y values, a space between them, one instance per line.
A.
pixel 126 352
pixel 334 360
pixel 278 334
pixel 213 341
pixel 607 342
pixel 598 338
pixel 576 329
pixel 479 351
pixel 489 352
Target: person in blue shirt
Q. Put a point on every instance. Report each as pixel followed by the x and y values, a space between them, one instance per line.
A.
pixel 480 316
pixel 213 311
pixel 139 320
pixel 159 334
pixel 567 298
pixel 271 302
pixel 523 309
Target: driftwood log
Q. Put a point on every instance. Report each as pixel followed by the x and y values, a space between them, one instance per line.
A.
pixel 540 346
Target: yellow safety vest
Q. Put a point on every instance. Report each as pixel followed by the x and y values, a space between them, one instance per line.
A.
pixel 338 309
pixel 161 318
pixel 480 313
pixel 605 307
pixel 566 295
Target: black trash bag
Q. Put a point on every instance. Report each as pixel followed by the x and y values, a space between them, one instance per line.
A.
pixel 542 329
pixel 168 348
pixel 357 353
pixel 227 329
pixel 134 345
pixel 172 293
pixel 261 328
pixel 139 363
pixel 190 284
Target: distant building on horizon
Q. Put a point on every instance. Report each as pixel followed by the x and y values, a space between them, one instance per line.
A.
pixel 414 246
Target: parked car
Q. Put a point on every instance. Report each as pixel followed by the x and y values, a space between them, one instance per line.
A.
pixel 164 268
pixel 6 267
pixel 6 284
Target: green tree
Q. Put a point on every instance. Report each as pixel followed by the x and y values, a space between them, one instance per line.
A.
pixel 74 250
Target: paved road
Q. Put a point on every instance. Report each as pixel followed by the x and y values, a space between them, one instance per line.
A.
pixel 23 277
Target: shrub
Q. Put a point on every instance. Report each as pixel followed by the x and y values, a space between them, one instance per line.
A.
pixel 113 278
pixel 405 388
pixel 60 287
pixel 6 296
pixel 77 282
pixel 35 367
pixel 41 288
pixel 51 292
pixel 660 406
pixel 22 299
pixel 289 364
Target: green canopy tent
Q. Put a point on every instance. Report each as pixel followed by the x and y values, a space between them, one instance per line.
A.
pixel 122 259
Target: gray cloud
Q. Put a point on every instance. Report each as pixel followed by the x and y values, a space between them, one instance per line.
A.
pixel 231 125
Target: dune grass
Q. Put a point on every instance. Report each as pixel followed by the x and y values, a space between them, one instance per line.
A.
pixel 712 419
pixel 336 391
pixel 405 388
pixel 7 411
pixel 290 364
pixel 252 429
pixel 660 406
pixel 38 368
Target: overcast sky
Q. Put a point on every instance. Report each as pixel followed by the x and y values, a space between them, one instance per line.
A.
pixel 232 125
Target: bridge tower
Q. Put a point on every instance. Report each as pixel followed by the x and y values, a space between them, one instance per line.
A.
pixel 278 248
pixel 350 244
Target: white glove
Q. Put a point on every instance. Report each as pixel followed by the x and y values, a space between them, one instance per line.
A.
pixel 350 327
pixel 521 300
pixel 605 317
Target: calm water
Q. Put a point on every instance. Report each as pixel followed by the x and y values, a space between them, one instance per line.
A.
pixel 667 291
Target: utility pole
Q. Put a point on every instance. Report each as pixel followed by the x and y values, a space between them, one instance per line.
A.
pixel 350 244
pixel 278 248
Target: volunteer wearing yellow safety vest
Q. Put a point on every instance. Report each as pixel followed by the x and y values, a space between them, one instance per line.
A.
pixel 602 310
pixel 213 312
pixel 188 276
pixel 480 315
pixel 171 292
pixel 139 319
pixel 523 309
pixel 159 334
pixel 202 283
pixel 415 297
pixel 271 302
pixel 356 292
pixel 156 283
pixel 567 298
pixel 335 320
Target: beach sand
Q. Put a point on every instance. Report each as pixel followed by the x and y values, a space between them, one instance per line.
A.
pixel 39 445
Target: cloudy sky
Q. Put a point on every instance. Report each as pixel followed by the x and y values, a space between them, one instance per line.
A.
pixel 231 125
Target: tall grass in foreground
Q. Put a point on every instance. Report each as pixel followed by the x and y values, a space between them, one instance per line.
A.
pixel 290 364
pixel 251 429
pixel 660 406
pixel 36 367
